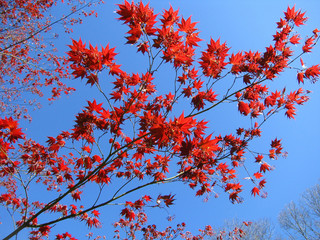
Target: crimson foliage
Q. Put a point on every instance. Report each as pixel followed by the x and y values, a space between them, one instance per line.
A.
pixel 137 138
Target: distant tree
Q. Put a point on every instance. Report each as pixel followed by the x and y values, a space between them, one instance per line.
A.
pixel 302 220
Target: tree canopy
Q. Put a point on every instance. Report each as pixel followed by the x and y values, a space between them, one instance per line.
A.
pixel 141 129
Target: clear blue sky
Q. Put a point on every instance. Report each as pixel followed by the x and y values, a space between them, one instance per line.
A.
pixel 244 25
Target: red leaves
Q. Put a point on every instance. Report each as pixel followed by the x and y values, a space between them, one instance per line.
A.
pixel 198 99
pixel 234 194
pixel 308 45
pixel 276 148
pixel 9 129
pixel 312 72
pixel 160 134
pixel 276 143
pixel 143 47
pixel 262 183
pixel 9 135
pixel 244 108
pixel 146 198
pixel 234 197
pixel 296 16
pixel 94 107
pixel 169 17
pixel 264 167
pixel 257 175
pixel 295 97
pixel 255 191
pixel 147 139
pixel 236 61
pixel 253 95
pixel 259 158
pixel 300 77
pixel 315 32
pixel 44 230
pixel 129 214
pixel 139 17
pixel 95 213
pixel 233 186
pixel 213 59
pixel 76 195
pixel 281 23
pixel 126 11
pixel 64 236
pixel 187 26
pixel 176 39
pixel 93 222
pixel 55 144
pixel 209 145
pixel 88 62
pixel 184 124
pixel 295 39
pixel 167 199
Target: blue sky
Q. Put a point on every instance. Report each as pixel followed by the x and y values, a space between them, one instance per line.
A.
pixel 244 25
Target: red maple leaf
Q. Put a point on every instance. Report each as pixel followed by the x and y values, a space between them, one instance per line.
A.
pixel 94 107
pixel 295 39
pixel 257 175
pixel 76 195
pixel 255 191
pixel 129 214
pixel 147 198
pixel 264 167
pixel 169 17
pixel 244 108
pixel 95 213
pixel 262 183
pixel 312 72
pixel 300 76
pixel 308 45
pixel 296 16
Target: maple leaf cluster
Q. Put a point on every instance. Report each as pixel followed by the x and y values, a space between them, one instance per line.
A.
pixel 9 135
pixel 135 137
